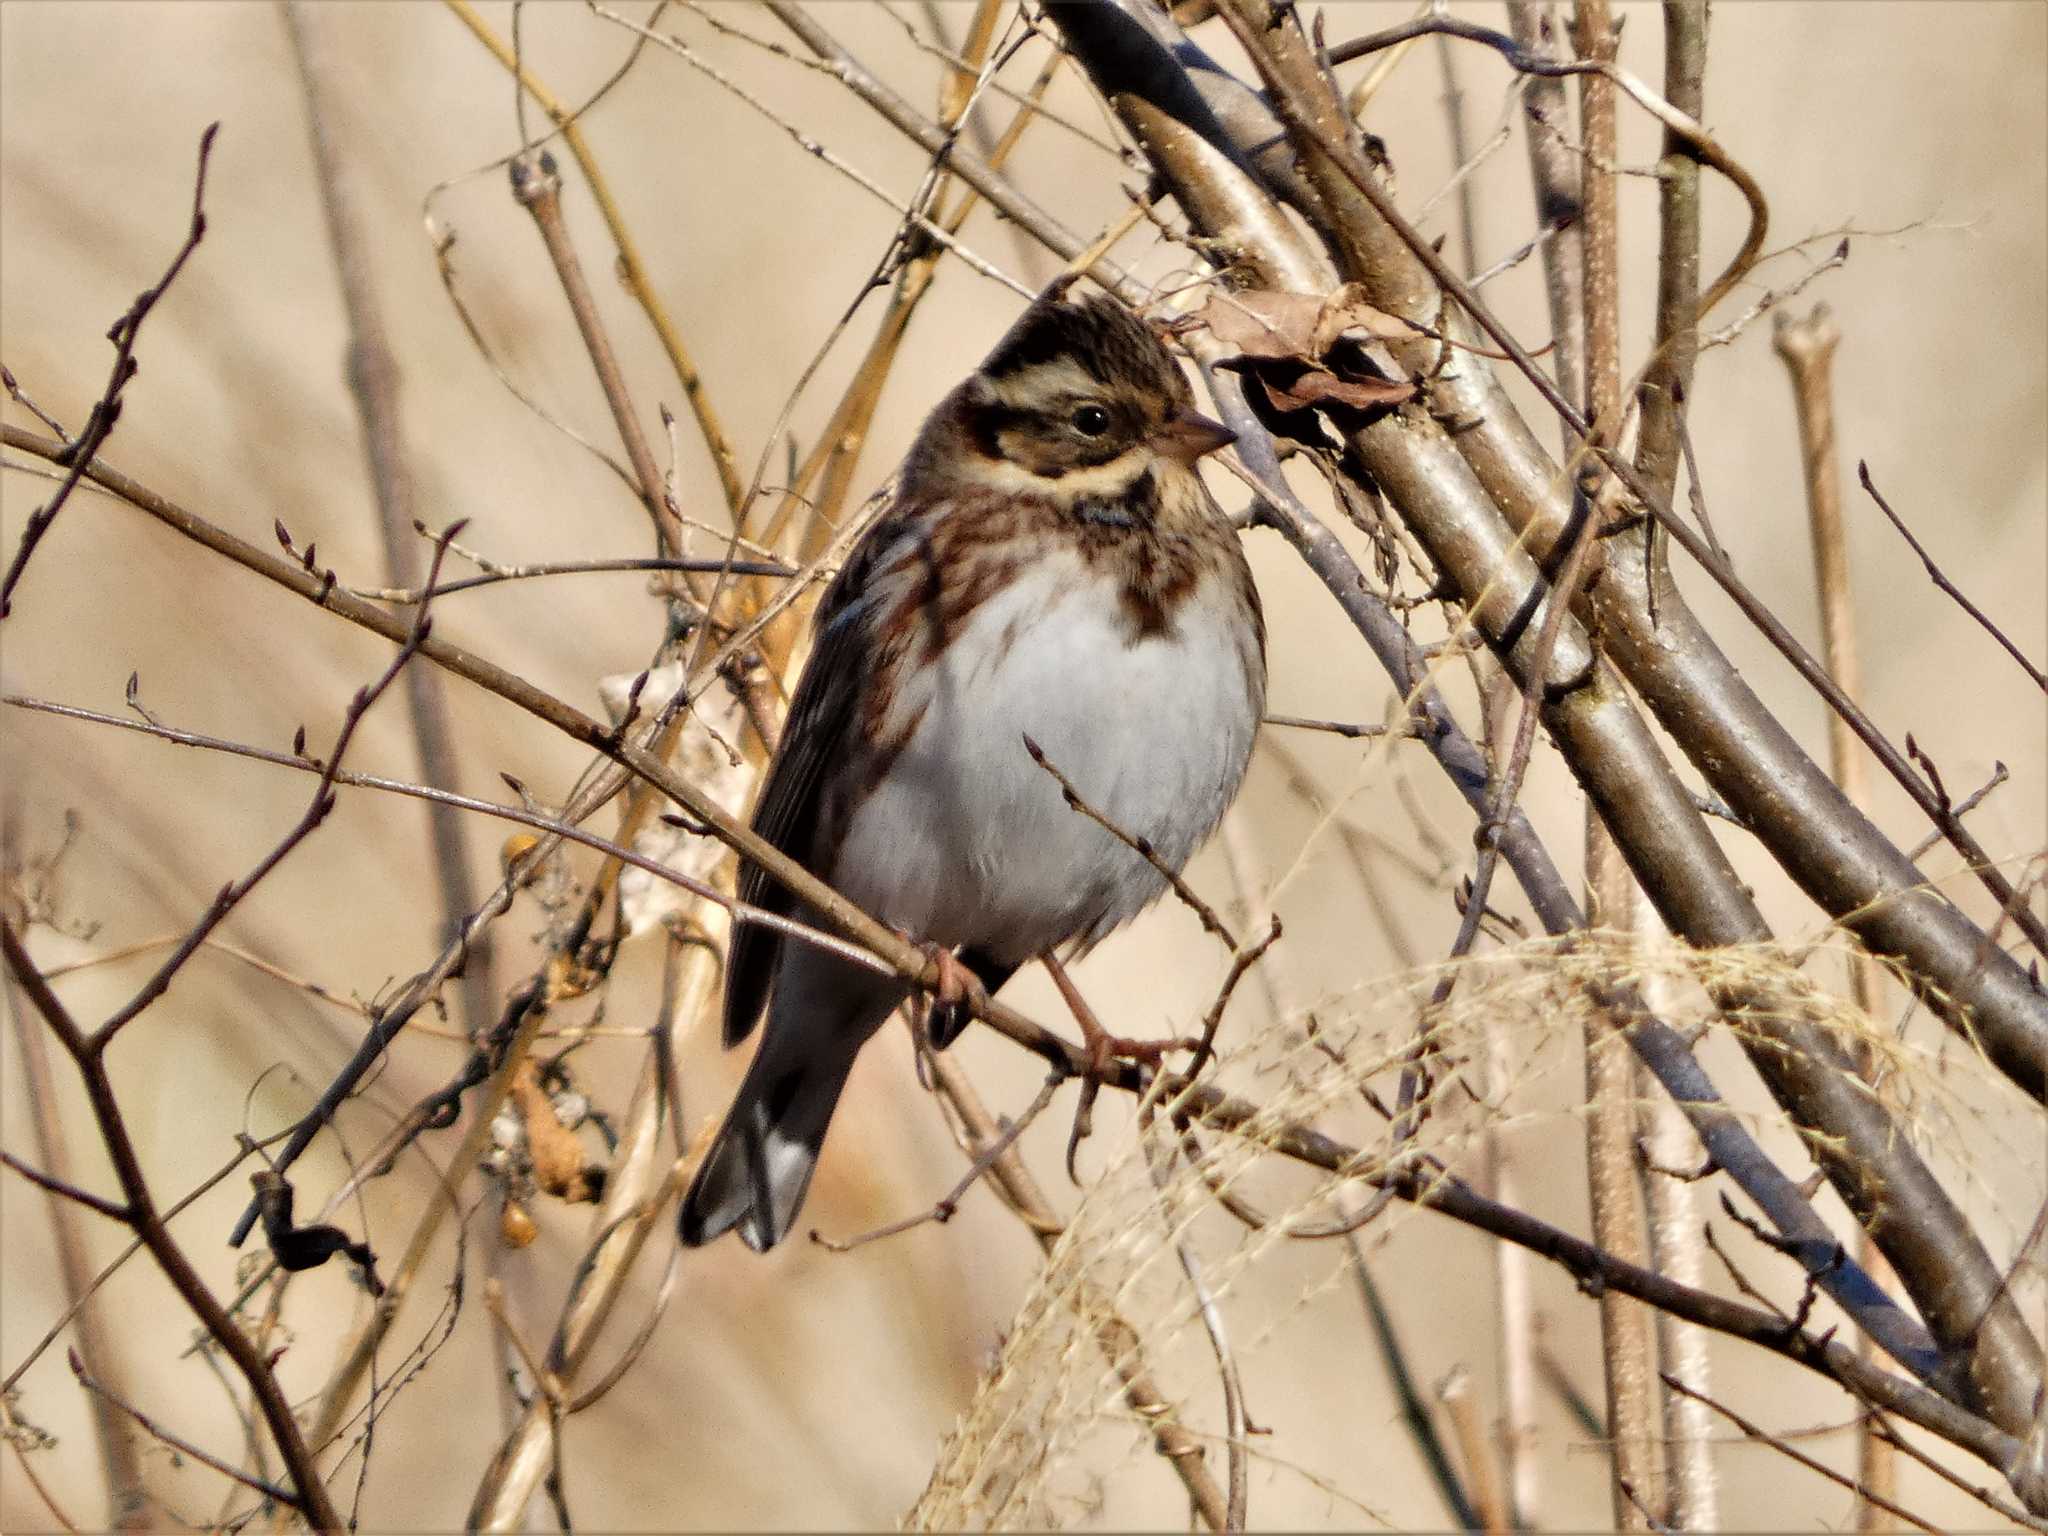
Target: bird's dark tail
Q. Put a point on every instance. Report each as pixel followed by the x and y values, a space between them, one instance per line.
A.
pixel 759 1169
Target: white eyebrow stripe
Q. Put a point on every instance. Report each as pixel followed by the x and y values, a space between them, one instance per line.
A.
pixel 1104 480
pixel 1034 387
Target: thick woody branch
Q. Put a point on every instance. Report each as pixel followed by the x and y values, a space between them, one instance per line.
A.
pixel 1448 489
pixel 1245 217
pixel 1834 853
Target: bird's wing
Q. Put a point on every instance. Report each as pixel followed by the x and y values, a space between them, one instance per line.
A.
pixel 816 734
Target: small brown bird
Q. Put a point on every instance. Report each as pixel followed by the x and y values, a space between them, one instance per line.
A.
pixel 1051 567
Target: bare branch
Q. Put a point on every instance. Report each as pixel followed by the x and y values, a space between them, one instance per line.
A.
pixel 79 453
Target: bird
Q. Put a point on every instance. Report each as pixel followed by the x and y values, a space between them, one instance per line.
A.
pixel 1048 582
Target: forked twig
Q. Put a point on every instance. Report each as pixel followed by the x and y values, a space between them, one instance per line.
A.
pixel 177 1443
pixel 942 1210
pixel 1778 1444
pixel 79 453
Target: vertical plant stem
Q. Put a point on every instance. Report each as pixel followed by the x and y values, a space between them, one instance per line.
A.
pixel 1808 350
pixel 1461 149
pixel 631 271
pixel 1627 1330
pixel 1676 1234
pixel 373 382
pixel 637 1183
pixel 1554 175
pixel 1669 375
pixel 1555 178
pixel 127 1496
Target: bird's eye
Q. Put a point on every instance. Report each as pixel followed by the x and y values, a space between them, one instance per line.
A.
pixel 1091 420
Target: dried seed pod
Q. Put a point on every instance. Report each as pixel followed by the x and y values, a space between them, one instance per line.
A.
pixel 515 1226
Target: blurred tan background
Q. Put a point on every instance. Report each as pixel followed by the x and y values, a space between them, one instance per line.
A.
pixel 807 1389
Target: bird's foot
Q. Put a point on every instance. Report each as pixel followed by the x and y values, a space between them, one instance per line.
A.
pixel 1101 1051
pixel 958 996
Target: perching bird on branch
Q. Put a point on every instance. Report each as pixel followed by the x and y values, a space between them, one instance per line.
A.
pixel 1051 567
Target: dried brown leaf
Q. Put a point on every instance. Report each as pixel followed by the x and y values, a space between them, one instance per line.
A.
pixel 1318 386
pixel 1303 325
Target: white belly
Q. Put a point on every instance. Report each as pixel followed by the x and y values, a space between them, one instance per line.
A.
pixel 968 841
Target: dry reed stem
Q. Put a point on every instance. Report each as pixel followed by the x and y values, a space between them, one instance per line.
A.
pixel 128 1507
pixel 1635 1418
pixel 1807 348
pixel 373 377
pixel 630 266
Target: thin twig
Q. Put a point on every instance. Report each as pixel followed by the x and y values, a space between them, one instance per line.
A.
pixel 706 566
pixel 1343 728
pixel 79 453
pixel 177 1443
pixel 537 187
pixel 1970 802
pixel 943 1209
pixel 556 826
pixel 1765 1437
pixel 310 1497
pixel 631 267
pixel 1934 575
pixel 323 801
pixel 1141 846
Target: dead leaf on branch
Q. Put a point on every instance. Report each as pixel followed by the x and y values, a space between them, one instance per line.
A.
pixel 1309 350
pixel 1303 325
pixel 1318 386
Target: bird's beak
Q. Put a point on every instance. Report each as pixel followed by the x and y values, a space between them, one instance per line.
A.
pixel 1189 435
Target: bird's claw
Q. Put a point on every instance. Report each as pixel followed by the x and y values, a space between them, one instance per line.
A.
pixel 957 997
